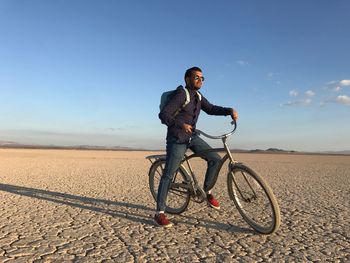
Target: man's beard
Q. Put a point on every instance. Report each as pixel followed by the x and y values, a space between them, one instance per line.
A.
pixel 193 87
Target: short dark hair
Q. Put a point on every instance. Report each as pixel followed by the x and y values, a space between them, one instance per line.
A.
pixel 190 70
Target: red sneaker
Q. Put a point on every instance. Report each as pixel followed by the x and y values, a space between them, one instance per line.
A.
pixel 162 220
pixel 213 202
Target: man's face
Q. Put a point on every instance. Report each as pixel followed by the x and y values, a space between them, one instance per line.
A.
pixel 195 80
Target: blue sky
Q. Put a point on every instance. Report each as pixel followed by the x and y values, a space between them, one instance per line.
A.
pixel 92 72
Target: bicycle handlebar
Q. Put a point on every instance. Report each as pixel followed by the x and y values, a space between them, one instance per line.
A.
pixel 199 132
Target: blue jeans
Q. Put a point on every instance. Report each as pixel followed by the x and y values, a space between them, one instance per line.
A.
pixel 174 154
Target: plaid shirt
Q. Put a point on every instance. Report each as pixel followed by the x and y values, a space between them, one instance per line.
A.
pixel 189 114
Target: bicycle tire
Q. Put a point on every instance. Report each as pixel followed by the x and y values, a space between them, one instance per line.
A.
pixel 178 196
pixel 258 206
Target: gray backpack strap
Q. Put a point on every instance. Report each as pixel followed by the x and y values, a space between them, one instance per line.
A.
pixel 188 99
pixel 199 95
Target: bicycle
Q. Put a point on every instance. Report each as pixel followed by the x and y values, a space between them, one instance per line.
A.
pixel 250 193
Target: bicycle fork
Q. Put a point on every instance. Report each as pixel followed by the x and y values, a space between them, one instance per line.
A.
pixel 232 163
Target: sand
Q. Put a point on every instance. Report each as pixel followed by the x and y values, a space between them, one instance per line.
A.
pixel 91 206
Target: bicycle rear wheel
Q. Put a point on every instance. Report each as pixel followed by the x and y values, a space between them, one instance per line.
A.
pixel 253 198
pixel 178 194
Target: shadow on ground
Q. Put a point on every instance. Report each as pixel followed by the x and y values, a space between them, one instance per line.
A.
pixel 125 210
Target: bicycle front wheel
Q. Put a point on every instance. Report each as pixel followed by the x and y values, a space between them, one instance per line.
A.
pixel 253 198
pixel 178 195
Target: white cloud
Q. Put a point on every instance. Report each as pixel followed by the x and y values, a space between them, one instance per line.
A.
pixel 307 101
pixel 310 93
pixel 242 62
pixel 344 82
pixel 331 82
pixel 293 93
pixel 270 75
pixel 308 97
pixel 343 99
pixel 338 85
pixel 304 102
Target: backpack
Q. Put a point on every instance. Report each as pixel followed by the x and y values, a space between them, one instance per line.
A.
pixel 166 96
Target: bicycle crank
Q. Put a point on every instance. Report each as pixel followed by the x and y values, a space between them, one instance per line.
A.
pixel 199 196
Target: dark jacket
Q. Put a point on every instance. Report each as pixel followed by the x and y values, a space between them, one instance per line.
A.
pixel 189 114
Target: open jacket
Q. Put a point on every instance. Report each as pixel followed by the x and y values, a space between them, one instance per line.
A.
pixel 189 114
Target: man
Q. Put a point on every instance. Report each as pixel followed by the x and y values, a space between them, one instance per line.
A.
pixel 181 122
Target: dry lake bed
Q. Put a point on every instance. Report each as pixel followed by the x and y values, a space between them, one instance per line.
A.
pixel 95 206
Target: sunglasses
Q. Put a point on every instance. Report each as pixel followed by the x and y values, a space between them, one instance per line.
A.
pixel 199 78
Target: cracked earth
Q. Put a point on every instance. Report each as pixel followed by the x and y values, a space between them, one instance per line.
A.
pixel 95 206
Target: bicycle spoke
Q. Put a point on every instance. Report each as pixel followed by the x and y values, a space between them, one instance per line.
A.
pixel 253 199
pixel 178 194
pixel 161 171
pixel 246 179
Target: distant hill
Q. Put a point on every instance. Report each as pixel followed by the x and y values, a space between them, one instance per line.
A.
pixel 8 143
pixel 336 152
pixel 276 150
pixel 272 150
pixel 11 144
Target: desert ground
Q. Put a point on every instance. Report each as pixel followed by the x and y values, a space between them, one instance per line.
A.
pixel 95 206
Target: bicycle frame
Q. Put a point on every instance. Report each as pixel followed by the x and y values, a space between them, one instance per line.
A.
pixel 244 186
pixel 190 171
pixel 223 138
pixel 186 159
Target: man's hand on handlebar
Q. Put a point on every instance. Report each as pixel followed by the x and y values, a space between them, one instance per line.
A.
pixel 234 114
